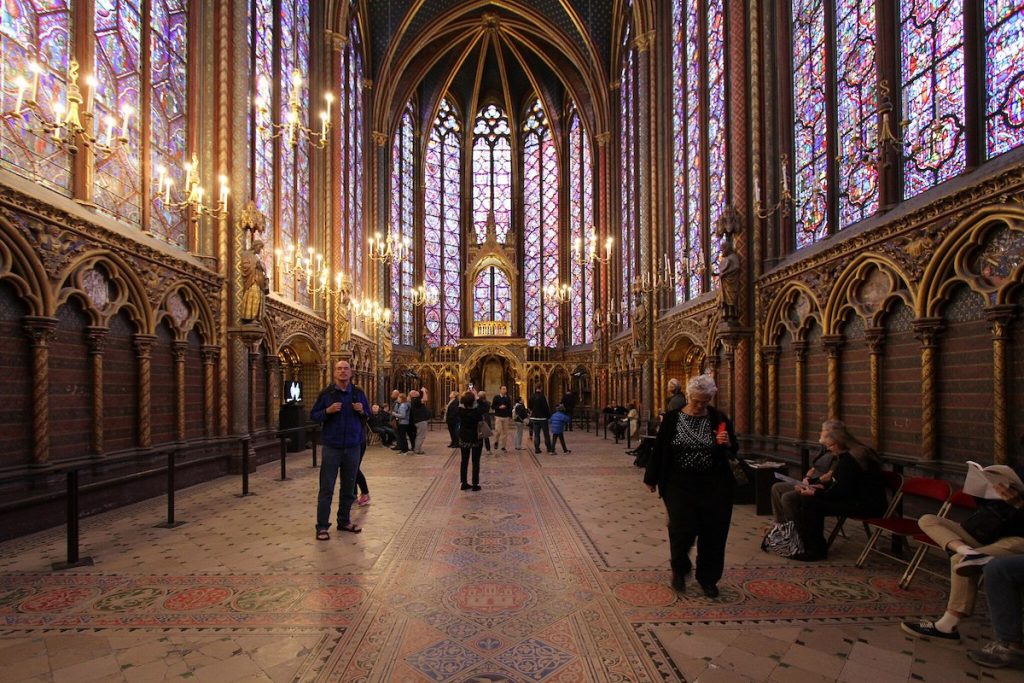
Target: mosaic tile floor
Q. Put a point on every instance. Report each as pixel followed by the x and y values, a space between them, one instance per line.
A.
pixel 556 571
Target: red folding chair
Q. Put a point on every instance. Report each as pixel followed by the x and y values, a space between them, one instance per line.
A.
pixel 893 482
pixel 959 500
pixel 896 524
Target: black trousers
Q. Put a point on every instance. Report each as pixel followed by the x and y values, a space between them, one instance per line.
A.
pixel 702 516
pixel 811 512
pixel 453 433
pixel 555 439
pixel 466 452
pixel 404 437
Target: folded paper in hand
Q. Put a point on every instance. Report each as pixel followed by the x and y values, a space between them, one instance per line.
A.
pixel 789 480
pixel 980 480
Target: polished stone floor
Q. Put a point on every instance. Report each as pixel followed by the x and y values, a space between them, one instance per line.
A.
pixel 556 571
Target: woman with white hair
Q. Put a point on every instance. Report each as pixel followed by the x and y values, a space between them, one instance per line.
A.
pixel 690 469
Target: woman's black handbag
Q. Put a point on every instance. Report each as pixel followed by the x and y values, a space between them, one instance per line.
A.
pixel 989 522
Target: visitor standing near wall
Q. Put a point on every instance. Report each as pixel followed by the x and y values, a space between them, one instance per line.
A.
pixel 484 407
pixel 341 407
pixel 502 407
pixel 540 413
pixel 419 416
pixel 470 442
pixel 401 411
pixel 520 415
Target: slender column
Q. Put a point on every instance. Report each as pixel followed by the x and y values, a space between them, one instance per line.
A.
pixel 771 361
pixel 927 331
pixel 1000 317
pixel 800 348
pixel 178 348
pixel 143 350
pixel 273 387
pixel 40 332
pixel 730 363
pixel 875 337
pixel 96 337
pixel 833 346
pixel 254 361
pixel 646 108
pixel 210 355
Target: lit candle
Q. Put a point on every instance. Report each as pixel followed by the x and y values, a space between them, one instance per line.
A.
pixel 58 118
pixel 127 112
pixel 161 173
pixel 90 83
pixel 167 189
pixel 223 200
pixel 109 120
pixel 323 127
pixel 785 175
pixel 35 69
pixel 757 191
pixel 199 199
pixel 608 248
pixel 329 96
pixel 22 84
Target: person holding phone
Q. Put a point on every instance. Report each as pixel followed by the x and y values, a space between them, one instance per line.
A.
pixel 342 408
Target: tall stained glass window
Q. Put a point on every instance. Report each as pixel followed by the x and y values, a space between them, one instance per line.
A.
pixel 118 30
pixel 402 169
pixel 37 33
pixel 353 233
pixel 492 172
pixel 279 36
pixel 810 121
pixel 856 124
pixel 540 227
pixel 1004 75
pixel 492 295
pixel 932 72
pixel 630 206
pixel 717 152
pixel 442 238
pixel 581 225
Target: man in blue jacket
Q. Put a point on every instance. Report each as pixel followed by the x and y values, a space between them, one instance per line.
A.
pixel 341 407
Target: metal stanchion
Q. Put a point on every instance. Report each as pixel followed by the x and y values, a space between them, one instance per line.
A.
pixel 72 522
pixel 170 523
pixel 284 458
pixel 245 468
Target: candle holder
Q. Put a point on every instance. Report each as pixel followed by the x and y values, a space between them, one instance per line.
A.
pixel 194 194
pixel 587 252
pixel 785 202
pixel 292 127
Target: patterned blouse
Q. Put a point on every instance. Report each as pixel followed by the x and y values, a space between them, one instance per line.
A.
pixel 693 433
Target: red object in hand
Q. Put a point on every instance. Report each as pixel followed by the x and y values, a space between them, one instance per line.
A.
pixel 721 428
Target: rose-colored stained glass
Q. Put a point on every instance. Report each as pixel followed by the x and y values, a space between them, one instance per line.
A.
pixel 401 225
pixel 581 223
pixel 856 85
pixel 540 227
pixel 442 238
pixel 262 18
pixel 168 111
pixel 34 32
pixel 492 296
pixel 492 172
pixel 353 237
pixel 628 157
pixel 810 120
pixel 1004 75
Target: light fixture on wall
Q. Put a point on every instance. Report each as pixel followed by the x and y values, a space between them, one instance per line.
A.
pixel 389 249
pixel 785 203
pixel 587 252
pixel 424 296
pixel 663 278
pixel 886 140
pixel 193 195
pixel 292 127
pixel 71 121
pixel 558 294
pixel 311 268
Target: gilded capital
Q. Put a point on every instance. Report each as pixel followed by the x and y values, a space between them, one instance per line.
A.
pixel 602 138
pixel 380 139
pixel 336 41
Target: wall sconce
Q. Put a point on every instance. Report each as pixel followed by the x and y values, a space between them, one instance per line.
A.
pixel 194 192
pixel 785 202
pixel 390 248
pixel 425 296
pixel 558 294
pixel 72 120
pixel 292 126
pixel 662 279
pixel 584 253
pixel 887 142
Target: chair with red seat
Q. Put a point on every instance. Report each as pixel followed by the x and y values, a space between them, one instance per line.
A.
pixel 959 500
pixel 893 482
pixel 896 524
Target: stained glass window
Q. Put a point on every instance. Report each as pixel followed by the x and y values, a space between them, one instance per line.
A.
pixel 540 227
pixel 353 234
pixel 34 33
pixel 442 238
pixel 492 295
pixel 262 24
pixel 630 216
pixel 932 68
pixel 118 32
pixel 581 227
pixel 810 119
pixel 717 149
pixel 401 224
pixel 492 172
pixel 1004 75
pixel 856 106
pixel 169 110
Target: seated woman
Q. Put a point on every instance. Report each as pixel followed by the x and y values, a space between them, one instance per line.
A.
pixel 857 489
pixel 786 496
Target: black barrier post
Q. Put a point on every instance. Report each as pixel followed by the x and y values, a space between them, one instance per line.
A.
pixel 315 439
pixel 245 468
pixel 284 458
pixel 629 434
pixel 170 523
pixel 72 511
pixel 606 425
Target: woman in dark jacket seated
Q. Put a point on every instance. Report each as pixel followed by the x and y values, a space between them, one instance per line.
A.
pixel 689 466
pixel 857 488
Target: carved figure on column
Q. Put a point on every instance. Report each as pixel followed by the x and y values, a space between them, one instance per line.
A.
pixel 641 319
pixel 599 333
pixel 255 285
pixel 729 278
pixel 345 312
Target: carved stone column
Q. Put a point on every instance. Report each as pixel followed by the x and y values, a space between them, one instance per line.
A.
pixel 729 356
pixel 1000 317
pixel 875 338
pixel 646 109
pixel 143 350
pixel 927 331
pixel 771 361
pixel 40 332
pixel 178 349
pixel 96 337
pixel 833 344
pixel 800 349
pixel 274 382
pixel 210 354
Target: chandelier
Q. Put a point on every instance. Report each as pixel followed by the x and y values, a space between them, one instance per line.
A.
pixel 194 194
pixel 71 124
pixel 424 296
pixel 311 268
pixel 389 249
pixel 587 252
pixel 558 294
pixel 292 127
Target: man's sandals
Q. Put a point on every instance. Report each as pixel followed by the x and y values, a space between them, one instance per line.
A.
pixel 351 527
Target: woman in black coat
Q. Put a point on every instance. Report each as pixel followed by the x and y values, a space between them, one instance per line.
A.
pixel 689 467
pixel 470 442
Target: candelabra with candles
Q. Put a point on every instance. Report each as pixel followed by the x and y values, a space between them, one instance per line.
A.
pixel 311 268
pixel 73 118
pixel 292 126
pixel 424 296
pixel 389 249
pixel 886 141
pixel 375 316
pixel 661 279
pixel 558 294
pixel 785 202
pixel 194 193
pixel 587 252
